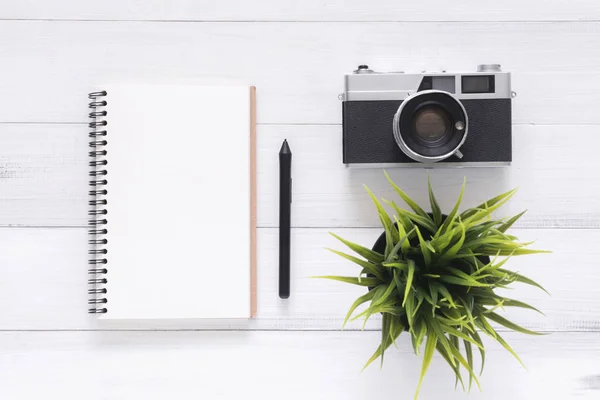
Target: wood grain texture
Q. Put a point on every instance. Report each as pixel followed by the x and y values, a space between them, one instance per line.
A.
pixel 43 175
pixel 554 65
pixel 54 52
pixel 44 282
pixel 310 10
pixel 43 178
pixel 269 365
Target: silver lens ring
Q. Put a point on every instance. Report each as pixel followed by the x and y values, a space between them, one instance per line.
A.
pixel 411 153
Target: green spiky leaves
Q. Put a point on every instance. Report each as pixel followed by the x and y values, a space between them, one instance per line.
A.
pixel 436 279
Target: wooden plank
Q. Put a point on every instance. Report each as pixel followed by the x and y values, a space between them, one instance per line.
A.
pixel 43 179
pixel 43 175
pixel 50 66
pixel 310 10
pixel 296 365
pixel 556 179
pixel 44 283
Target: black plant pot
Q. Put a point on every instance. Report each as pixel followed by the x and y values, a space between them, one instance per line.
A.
pixel 379 247
pixel 380 243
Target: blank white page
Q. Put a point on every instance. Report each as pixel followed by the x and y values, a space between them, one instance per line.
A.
pixel 179 201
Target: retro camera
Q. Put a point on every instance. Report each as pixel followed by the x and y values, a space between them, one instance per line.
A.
pixel 429 118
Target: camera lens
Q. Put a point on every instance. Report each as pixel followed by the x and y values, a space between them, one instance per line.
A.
pixel 430 126
pixel 431 123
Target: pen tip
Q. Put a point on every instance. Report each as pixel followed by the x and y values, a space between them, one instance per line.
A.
pixel 285 147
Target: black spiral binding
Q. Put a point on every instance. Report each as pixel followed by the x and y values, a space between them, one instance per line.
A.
pixel 97 230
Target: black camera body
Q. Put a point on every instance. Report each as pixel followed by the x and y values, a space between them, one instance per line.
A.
pixel 427 118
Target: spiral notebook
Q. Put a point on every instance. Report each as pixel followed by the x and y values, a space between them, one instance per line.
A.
pixel 173 202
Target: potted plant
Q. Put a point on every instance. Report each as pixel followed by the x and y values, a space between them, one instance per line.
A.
pixel 434 277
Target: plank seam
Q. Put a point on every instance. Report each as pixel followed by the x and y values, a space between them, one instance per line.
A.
pixel 283 124
pixel 257 330
pixel 327 21
pixel 549 228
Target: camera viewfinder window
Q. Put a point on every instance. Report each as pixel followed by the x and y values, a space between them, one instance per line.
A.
pixel 478 84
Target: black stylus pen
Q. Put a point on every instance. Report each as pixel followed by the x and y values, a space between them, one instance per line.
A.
pixel 285 200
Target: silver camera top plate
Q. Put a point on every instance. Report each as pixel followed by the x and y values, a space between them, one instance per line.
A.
pixel 367 84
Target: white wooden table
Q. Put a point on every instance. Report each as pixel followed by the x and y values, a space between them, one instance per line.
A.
pixel 53 52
